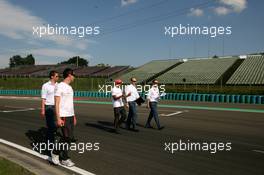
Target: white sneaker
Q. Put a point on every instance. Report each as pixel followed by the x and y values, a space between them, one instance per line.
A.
pixel 55 159
pixel 67 163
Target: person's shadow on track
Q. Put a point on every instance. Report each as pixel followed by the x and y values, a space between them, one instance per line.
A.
pixel 37 137
pixel 103 125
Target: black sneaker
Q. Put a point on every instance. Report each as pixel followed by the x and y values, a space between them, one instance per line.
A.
pixel 151 127
pixel 134 130
pixel 161 128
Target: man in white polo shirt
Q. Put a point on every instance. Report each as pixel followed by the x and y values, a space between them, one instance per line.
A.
pixel 132 96
pixel 118 104
pixel 65 116
pixel 47 105
pixel 153 97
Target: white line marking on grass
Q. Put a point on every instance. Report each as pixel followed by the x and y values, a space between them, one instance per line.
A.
pixel 258 151
pixel 29 151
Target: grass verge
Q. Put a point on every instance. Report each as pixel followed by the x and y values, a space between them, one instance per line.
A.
pixel 9 168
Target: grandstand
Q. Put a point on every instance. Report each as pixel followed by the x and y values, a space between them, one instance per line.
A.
pixel 88 71
pixel 250 72
pixel 24 71
pixel 230 71
pixel 3 71
pixel 199 71
pixel 151 70
pixel 43 71
pixel 110 71
pixel 58 68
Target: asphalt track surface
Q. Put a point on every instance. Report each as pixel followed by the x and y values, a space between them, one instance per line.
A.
pixel 144 152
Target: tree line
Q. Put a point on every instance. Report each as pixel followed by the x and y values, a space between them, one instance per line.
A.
pixel 18 60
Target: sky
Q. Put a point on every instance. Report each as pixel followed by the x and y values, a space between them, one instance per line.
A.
pixel 131 32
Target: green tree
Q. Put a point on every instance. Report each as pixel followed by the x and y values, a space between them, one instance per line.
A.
pixel 215 56
pixel 77 61
pixel 29 60
pixel 14 60
pixel 17 60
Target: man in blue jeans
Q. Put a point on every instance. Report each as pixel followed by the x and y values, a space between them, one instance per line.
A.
pixel 152 103
pixel 47 105
pixel 132 96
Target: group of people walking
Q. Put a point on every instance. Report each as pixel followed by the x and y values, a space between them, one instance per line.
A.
pixel 129 98
pixel 58 109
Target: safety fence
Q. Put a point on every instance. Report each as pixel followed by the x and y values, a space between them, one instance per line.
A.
pixel 217 98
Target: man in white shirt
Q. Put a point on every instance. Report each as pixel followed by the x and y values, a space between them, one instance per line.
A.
pixel 152 101
pixel 132 96
pixel 47 105
pixel 118 104
pixel 65 116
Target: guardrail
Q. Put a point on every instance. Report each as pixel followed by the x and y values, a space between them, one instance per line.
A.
pixel 217 98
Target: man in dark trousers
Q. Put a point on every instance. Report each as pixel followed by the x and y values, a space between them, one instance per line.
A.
pixel 47 105
pixel 118 104
pixel 65 116
pixel 152 103
pixel 132 96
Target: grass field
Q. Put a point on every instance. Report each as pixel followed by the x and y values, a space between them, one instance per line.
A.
pixel 10 168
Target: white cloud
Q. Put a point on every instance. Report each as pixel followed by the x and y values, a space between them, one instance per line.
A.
pixel 127 2
pixel 230 6
pixel 196 12
pixel 17 23
pixel 222 10
pixel 57 53
pixel 236 5
pixel 52 52
pixel 4 60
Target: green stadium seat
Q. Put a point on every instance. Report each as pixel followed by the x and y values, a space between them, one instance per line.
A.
pixel 148 70
pixel 250 72
pixel 198 71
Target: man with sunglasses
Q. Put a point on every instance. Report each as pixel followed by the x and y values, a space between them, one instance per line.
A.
pixel 132 96
pixel 153 97
pixel 65 117
pixel 47 105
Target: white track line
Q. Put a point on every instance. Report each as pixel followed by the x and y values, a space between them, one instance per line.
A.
pixel 29 151
pixel 171 114
pixel 19 110
pixel 16 107
pixel 258 151
pixel 17 97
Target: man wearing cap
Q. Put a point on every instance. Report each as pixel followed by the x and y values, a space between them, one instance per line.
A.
pixel 152 101
pixel 132 96
pixel 118 104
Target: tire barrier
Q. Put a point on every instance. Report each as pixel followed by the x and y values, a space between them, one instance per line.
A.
pixel 216 98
